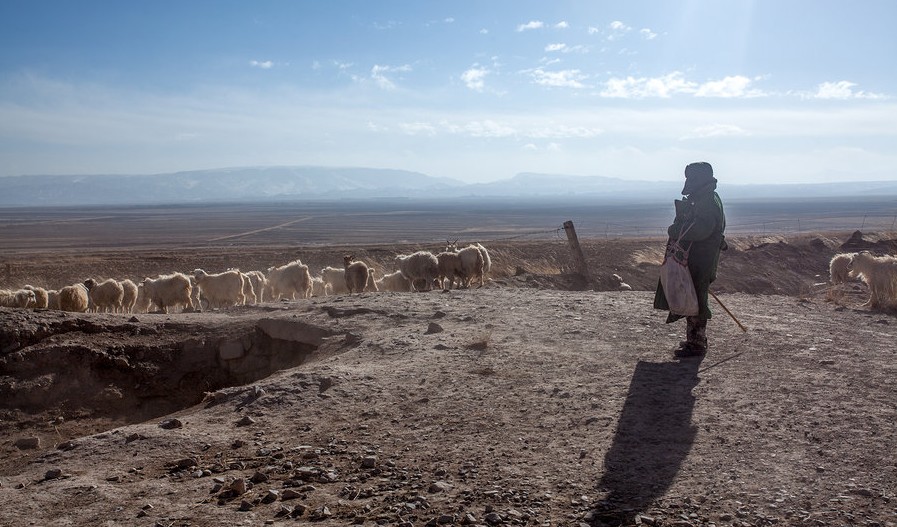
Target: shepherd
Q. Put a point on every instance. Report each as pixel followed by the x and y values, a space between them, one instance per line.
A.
pixel 700 216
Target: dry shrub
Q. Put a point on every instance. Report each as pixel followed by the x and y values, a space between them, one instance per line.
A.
pixel 480 341
pixel 648 256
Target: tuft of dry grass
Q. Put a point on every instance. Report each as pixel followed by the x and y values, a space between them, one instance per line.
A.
pixel 480 341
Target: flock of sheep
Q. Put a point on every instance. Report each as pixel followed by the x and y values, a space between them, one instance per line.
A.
pixel 878 272
pixel 420 271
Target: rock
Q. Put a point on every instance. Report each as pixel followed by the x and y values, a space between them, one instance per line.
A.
pixel 259 477
pixel 369 462
pixel 53 473
pixel 28 443
pixel 246 506
pixel 624 287
pixel 445 519
pixel 271 496
pixel 321 513
pixel 439 486
pixel 493 518
pixel 468 519
pixel 238 486
pixel 132 437
pixel 133 319
pixel 245 421
pixel 68 445
pixel 170 424
pixel 238 443
pixel 289 494
pixel 299 510
pixel 434 328
pixel 185 463
pixel 325 384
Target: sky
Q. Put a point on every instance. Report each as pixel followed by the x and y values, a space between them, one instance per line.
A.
pixel 768 91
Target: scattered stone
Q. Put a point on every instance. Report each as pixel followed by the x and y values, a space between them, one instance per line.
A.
pixel 259 477
pixel 142 513
pixel 246 506
pixel 67 445
pixel 133 437
pixel 133 319
pixel 185 463
pixel 289 494
pixel 59 420
pixel 53 473
pixel 441 347
pixel 238 486
pixel 434 328
pixel 827 362
pixel 369 462
pixel 113 479
pixel 271 496
pixel 445 518
pixel 170 424
pixel 439 486
pixel 325 384
pixel 245 421
pixel 28 443
pixel 468 519
pixel 299 510
pixel 493 518
pixel 238 443
pixel 321 513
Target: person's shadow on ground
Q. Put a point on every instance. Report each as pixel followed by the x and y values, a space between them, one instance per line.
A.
pixel 653 437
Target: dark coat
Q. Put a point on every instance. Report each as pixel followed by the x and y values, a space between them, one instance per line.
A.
pixel 703 212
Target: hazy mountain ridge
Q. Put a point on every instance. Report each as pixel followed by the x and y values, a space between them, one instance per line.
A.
pixel 310 182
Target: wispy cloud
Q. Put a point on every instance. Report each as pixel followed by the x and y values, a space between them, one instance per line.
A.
pixel 843 90
pixel 617 29
pixel 379 75
pixel 261 64
pixel 736 86
pixel 449 20
pixel 384 26
pixel 558 79
pixel 562 25
pixel 474 78
pixel 716 130
pixel 593 30
pixel 564 48
pixel 647 34
pixel 532 24
pixel 418 128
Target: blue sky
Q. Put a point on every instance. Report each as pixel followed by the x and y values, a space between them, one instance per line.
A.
pixel 768 91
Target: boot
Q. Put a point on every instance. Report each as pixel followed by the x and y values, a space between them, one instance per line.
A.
pixel 695 344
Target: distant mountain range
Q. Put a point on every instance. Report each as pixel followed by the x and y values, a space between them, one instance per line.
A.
pixel 318 183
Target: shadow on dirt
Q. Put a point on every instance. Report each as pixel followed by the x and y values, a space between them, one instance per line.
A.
pixel 654 436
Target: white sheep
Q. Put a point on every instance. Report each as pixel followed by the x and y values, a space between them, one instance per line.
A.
pixel 449 269
pixel 318 287
pixel 259 284
pixel 290 280
pixel 143 303
pixel 839 267
pixel 420 266
pixel 371 286
pixel 220 289
pixel 471 262
pixel 394 282
pixel 22 298
pixel 74 298
pixel 106 295
pixel 129 297
pixel 880 275
pixel 41 298
pixel 334 281
pixel 249 296
pixel 356 274
pixel 487 263
pixel 169 291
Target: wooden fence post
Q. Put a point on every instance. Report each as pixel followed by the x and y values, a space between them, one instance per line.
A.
pixel 578 259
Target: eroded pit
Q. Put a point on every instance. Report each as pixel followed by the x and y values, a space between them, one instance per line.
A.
pixel 114 371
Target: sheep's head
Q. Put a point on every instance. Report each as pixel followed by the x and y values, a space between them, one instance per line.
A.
pixel 90 283
pixel 29 296
pixel 199 272
pixel 451 246
pixel 348 259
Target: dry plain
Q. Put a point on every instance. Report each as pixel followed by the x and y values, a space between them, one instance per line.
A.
pixel 538 399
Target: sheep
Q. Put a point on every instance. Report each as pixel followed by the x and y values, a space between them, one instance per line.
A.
pixel 879 274
pixel 471 262
pixel 422 266
pixel 449 269
pixel 259 284
pixel 334 280
pixel 74 298
pixel 52 299
pixel 356 274
pixel 40 296
pixel 221 289
pixel 22 298
pixel 249 296
pixel 106 295
pixel 839 267
pixel 487 263
pixel 168 291
pixel 289 280
pixel 371 286
pixel 129 296
pixel 142 304
pixel 318 287
pixel 394 282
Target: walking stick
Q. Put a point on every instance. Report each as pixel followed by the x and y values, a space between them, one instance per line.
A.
pixel 727 311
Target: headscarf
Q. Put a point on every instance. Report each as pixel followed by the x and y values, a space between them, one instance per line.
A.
pixel 698 176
